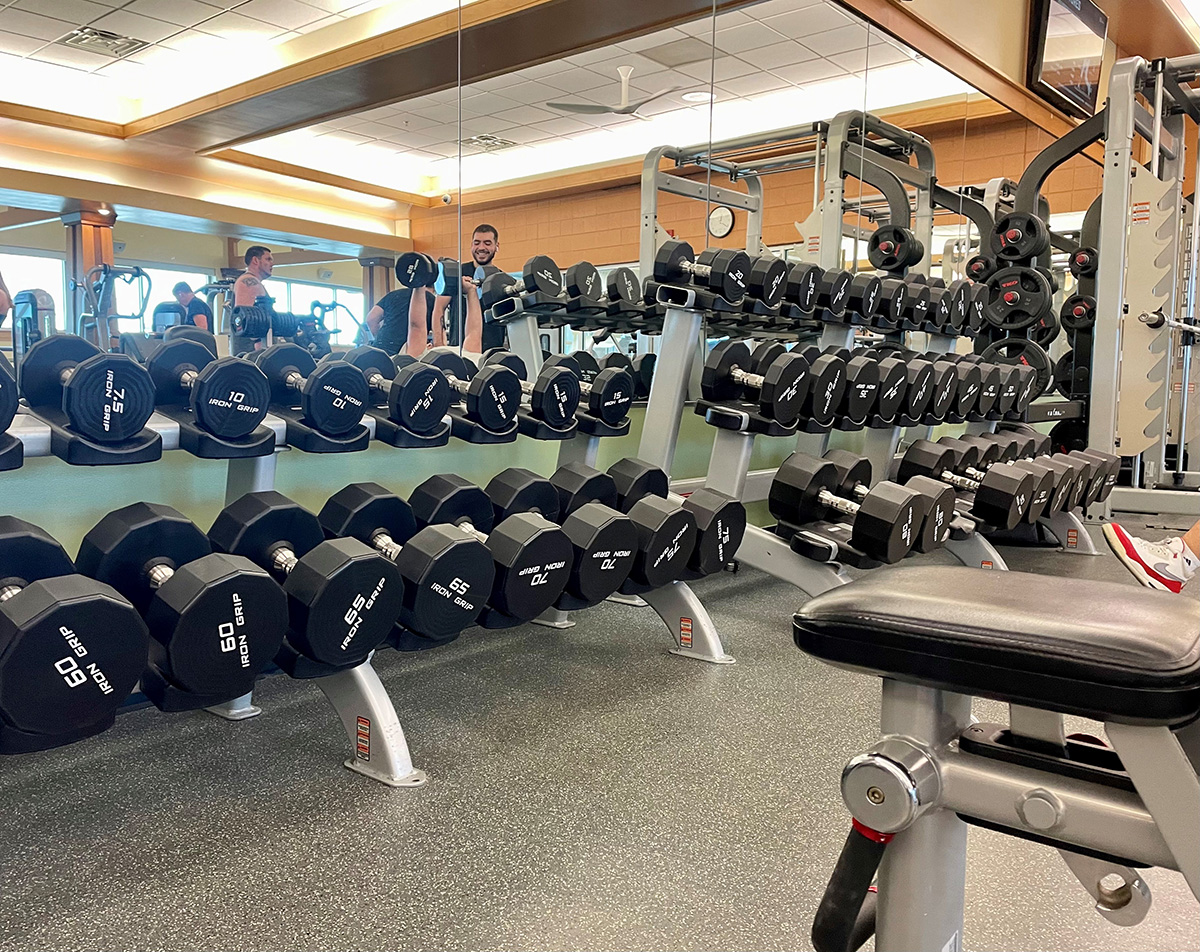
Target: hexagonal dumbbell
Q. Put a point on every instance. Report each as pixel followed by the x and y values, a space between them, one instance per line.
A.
pixel 768 278
pixel 491 396
pixel 723 270
pixel 532 556
pixel 448 576
pixel 416 395
pixel 10 399
pixel 343 596
pixel 216 620
pixel 610 393
pixel 886 520
pixel 71 648
pixel 539 275
pixel 228 397
pixel 107 398
pixel 1002 495
pixel 855 474
pixel 604 540
pixel 553 398
pixel 779 390
pixel 331 395
pixel 720 520
pixel 1050 483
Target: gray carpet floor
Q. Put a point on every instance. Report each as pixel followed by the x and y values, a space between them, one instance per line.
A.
pixel 587 790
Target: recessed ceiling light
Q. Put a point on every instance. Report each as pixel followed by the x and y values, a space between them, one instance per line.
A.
pixel 697 97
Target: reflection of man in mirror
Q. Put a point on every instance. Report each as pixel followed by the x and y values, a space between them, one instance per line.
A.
pixel 196 311
pixel 485 243
pixel 248 288
pixel 5 297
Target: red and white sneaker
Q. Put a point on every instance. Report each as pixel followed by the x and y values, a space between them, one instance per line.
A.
pixel 1163 565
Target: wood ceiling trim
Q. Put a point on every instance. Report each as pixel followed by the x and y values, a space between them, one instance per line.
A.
pixel 315 175
pixel 60 120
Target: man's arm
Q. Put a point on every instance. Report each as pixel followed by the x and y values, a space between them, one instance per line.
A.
pixel 246 290
pixel 439 320
pixel 203 317
pixel 418 323
pixel 473 332
pixel 375 320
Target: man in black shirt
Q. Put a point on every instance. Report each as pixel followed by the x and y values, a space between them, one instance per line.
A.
pixel 197 311
pixel 485 243
pixel 389 321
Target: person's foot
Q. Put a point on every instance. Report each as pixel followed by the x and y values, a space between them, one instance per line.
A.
pixel 1158 565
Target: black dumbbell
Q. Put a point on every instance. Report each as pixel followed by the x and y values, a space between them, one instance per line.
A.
pixel 945 388
pixel 893 380
pixel 331 395
pixel 643 373
pixel 886 521
pixel 452 275
pixel 617 359
pixel 416 270
pixel 855 474
pixel 552 398
pixel 723 270
pixel 768 278
pixel 833 292
pixel 624 286
pixel 540 274
pixel 532 555
pixel 865 296
pixel 227 396
pixel 720 520
pixel 73 648
pixel 800 288
pixel 492 396
pixel 582 280
pixel 1050 487
pixel 827 385
pixel 343 596
pixel 107 398
pixel 10 399
pixel 779 390
pixel 589 366
pixel 1002 494
pixel 609 395
pixel 862 385
pixel 417 395
pixel 447 575
pixel 967 381
pixel 216 620
pixel 604 541
pixel 260 318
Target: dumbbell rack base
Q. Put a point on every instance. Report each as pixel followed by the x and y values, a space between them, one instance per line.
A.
pixel 395 434
pixel 78 450
pixel 172 699
pixel 531 426
pixel 303 437
pixel 12 452
pixel 471 432
pixel 585 448
pixel 741 418
pixel 827 542
pixel 204 445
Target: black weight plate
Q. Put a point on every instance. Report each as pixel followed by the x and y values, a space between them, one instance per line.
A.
pixel 1046 330
pixel 419 397
pixel 893 385
pixel 9 398
pixel 541 274
pixel 890 248
pixel 862 388
pixel 1078 312
pixel 1020 236
pixel 1084 262
pixel 45 361
pixel 784 387
pixel 279 361
pixel 416 270
pixel 334 397
pixel 230 397
pixel 1017 298
pixel 169 362
pixel 583 280
pixel 494 397
pixel 623 285
pixel 73 651
pixel 449 578
pixel 611 395
pixel 1018 350
pixel 980 267
pixel 109 398
pixel 533 564
pixel 555 396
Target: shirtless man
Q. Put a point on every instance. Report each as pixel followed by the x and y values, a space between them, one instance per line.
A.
pixel 248 288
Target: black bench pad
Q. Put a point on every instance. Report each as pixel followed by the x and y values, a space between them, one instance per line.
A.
pixel 1095 649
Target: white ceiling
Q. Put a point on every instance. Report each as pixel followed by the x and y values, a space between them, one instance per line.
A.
pixel 774 60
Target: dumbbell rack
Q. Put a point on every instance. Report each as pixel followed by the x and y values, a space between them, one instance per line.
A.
pixel 691 626
pixel 379 748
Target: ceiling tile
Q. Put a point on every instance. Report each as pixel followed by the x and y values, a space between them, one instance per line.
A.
pixel 651 40
pixel 439 112
pixel 591 57
pixel 531 92
pixel 703 26
pixel 841 40
pixel 346 138
pixel 331 6
pixel 234 26
pixel 139 27
pixel 814 71
pixel 748 36
pixel 761 11
pixel 319 24
pixel 526 115
pixel 753 84
pixel 155 56
pixel 726 67
pixel 68 56
pixel 289 14
pixel 879 57
pixel 787 53
pixel 192 42
pixel 485 125
pixel 78 12
pixel 800 24
pixel 123 70
pixel 19 45
pixel 180 12
pixel 486 104
pixel 33 24
pixel 563 125
pixel 575 81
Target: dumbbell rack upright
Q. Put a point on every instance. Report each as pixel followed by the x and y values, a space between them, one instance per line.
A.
pixel 379 748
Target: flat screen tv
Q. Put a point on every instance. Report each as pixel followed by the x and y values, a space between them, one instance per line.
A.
pixel 1066 49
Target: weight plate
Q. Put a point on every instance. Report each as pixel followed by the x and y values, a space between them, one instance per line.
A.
pixel 890 248
pixel 1017 297
pixel 980 267
pixel 419 397
pixel 1018 350
pixel 230 397
pixel 1046 330
pixel 44 363
pixel 1078 312
pixel 109 398
pixel 1084 262
pixel 1020 237
pixel 333 398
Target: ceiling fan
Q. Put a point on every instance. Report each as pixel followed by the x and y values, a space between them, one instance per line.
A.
pixel 626 108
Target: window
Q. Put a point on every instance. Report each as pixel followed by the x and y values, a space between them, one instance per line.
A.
pixel 162 280
pixel 26 272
